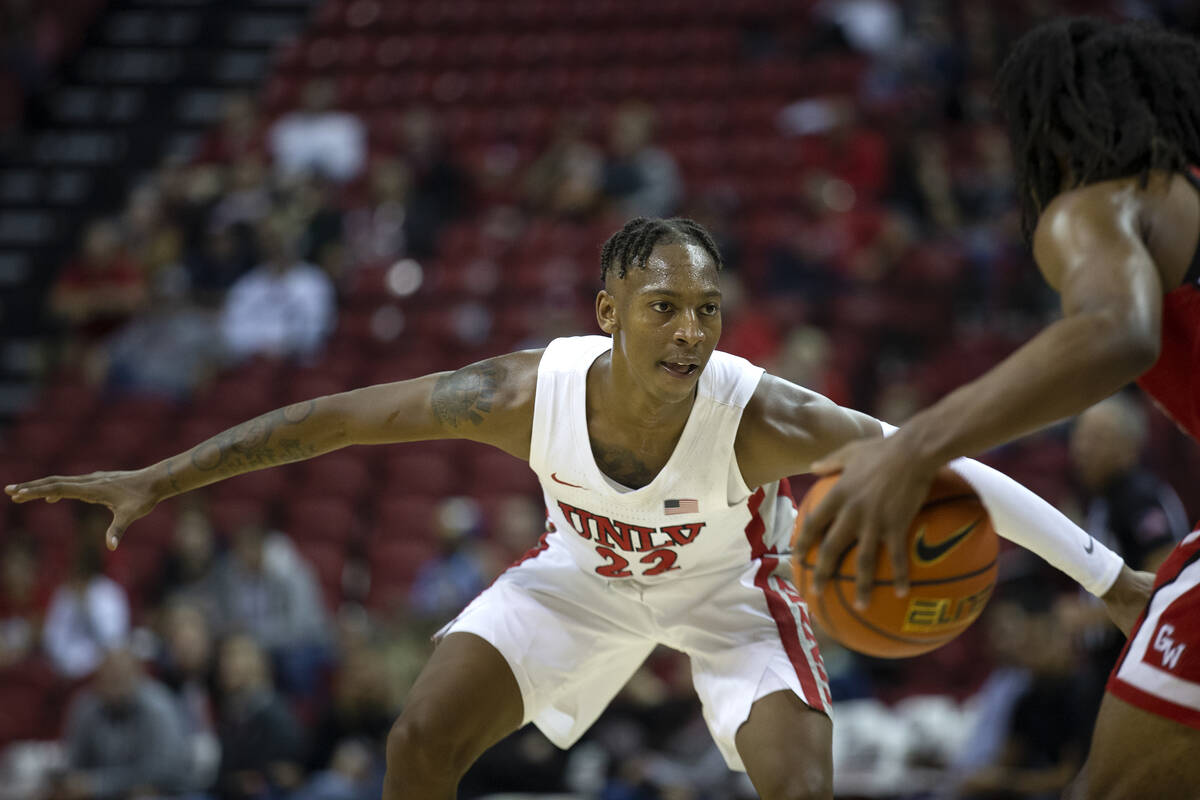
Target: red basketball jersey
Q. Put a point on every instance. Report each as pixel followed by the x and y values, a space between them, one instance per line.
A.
pixel 1173 381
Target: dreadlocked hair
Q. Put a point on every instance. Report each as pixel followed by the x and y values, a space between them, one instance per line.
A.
pixel 1108 100
pixel 632 245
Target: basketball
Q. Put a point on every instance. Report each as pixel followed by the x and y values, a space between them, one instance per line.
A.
pixel 952 551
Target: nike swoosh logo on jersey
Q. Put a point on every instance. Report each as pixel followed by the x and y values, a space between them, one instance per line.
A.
pixel 927 553
pixel 554 477
pixel 1090 546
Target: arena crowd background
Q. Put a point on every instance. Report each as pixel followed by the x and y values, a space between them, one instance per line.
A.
pixel 210 208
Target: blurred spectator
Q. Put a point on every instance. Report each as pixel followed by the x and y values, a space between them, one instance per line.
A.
pixel 809 256
pixel 1050 717
pixel 448 581
pixel 23 600
pixel 1128 508
pixel 653 737
pixel 247 200
pixel 718 209
pixel 994 702
pixel 313 209
pixel 987 190
pixel 834 139
pixel 363 710
pixel 751 333
pixel 874 27
pixel 186 667
pixel 262 744
pixel 516 522
pixel 565 180
pixel 352 775
pixel 804 358
pixel 283 307
pixel 152 238
pixel 101 289
pixel 440 186
pixel 317 139
pixel 640 178
pixel 89 613
pixel 923 183
pixel 170 349
pixel 226 253
pixel 186 572
pixel 264 587
pixel 377 231
pixel 124 737
pixel 240 133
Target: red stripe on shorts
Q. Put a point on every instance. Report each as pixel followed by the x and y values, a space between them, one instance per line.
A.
pixel 778 605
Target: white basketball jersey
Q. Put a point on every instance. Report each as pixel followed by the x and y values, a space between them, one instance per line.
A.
pixel 697 516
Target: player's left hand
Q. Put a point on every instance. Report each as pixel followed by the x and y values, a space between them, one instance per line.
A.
pixel 1127 598
pixel 873 503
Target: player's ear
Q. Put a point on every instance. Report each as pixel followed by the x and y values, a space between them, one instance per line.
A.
pixel 606 312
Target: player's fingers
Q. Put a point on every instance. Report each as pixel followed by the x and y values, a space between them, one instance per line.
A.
pixel 896 542
pixel 864 579
pixel 116 530
pixel 55 488
pixel 51 480
pixel 838 538
pixel 112 537
pixel 816 521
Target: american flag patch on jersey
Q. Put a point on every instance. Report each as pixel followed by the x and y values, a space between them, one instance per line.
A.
pixel 681 507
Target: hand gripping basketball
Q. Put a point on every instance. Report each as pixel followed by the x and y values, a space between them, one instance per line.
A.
pixel 950 553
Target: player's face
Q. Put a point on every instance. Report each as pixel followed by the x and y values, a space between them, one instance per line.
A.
pixel 665 319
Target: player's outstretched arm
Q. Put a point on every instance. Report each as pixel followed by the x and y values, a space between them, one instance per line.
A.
pixel 489 402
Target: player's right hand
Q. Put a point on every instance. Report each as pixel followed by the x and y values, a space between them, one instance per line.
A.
pixel 126 494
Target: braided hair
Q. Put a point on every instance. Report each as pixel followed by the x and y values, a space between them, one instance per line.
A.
pixel 1105 100
pixel 631 246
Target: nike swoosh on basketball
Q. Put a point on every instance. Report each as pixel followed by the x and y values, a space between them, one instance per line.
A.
pixel 554 477
pixel 928 553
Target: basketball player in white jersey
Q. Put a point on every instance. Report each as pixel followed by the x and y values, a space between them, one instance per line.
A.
pixel 664 466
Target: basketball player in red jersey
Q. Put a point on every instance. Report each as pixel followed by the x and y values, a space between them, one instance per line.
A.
pixel 664 465
pixel 1104 121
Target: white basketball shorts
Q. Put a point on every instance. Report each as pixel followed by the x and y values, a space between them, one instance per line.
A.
pixel 574 639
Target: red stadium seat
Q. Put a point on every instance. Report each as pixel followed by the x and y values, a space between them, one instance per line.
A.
pixel 44 439
pixel 54 527
pixel 399 560
pixel 327 559
pixel 321 519
pixel 24 691
pixel 410 469
pixel 409 517
pixel 344 475
pixel 493 470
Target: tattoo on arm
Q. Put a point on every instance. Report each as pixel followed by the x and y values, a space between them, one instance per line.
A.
pixel 252 444
pixel 171 477
pixel 467 395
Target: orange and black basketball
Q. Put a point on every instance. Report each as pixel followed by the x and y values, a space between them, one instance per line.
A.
pixel 952 551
